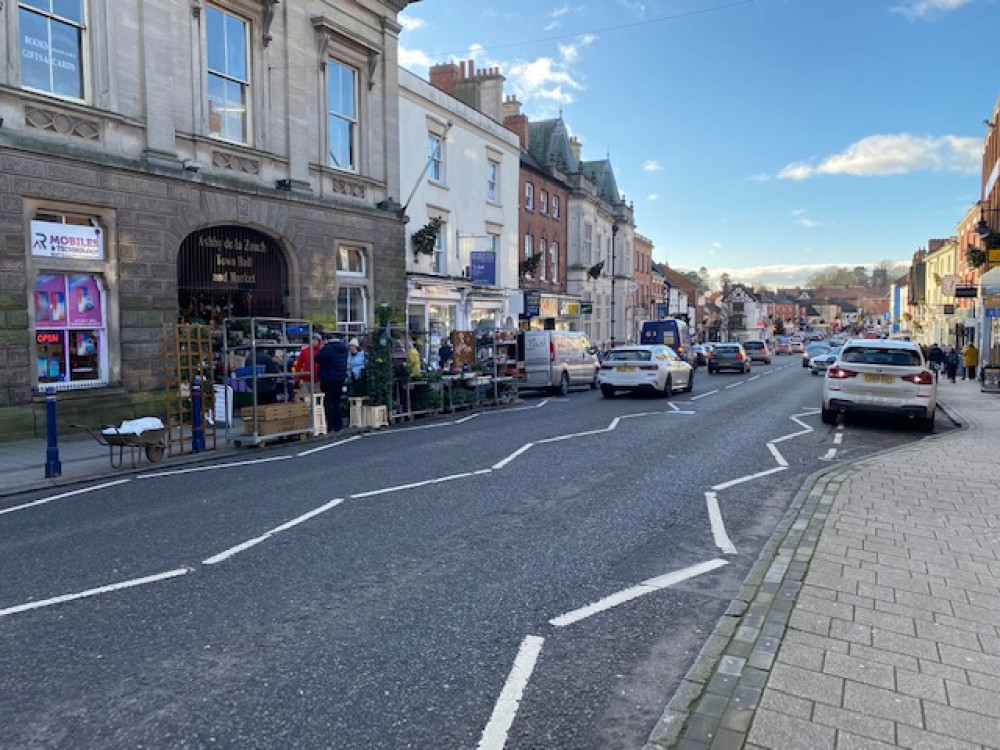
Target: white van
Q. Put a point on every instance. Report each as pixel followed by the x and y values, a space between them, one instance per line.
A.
pixel 559 360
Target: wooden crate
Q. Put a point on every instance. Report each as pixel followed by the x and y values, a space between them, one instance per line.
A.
pixel 275 418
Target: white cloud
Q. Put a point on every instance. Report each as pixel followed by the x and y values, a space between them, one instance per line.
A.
pixel 652 165
pixel 759 177
pixel 409 23
pixel 570 53
pixel 902 153
pixel 798 212
pixel 782 274
pixel 923 9
pixel 559 12
pixel 803 221
pixel 635 6
pixel 652 197
pixel 414 58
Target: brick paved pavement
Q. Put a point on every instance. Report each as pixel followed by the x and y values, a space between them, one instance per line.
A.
pixel 872 619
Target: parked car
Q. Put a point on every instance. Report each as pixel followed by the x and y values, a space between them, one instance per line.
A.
pixel 645 367
pixel 813 350
pixel 728 357
pixel 878 376
pixel 782 347
pixel 758 351
pixel 797 346
pixel 701 352
pixel 821 362
pixel 557 360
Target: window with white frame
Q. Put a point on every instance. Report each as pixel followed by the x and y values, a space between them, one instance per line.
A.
pixel 51 38
pixel 492 180
pixel 529 196
pixel 440 247
pixel 227 52
pixel 588 242
pixel 554 261
pixel 352 289
pixel 543 251
pixel 543 202
pixel 555 206
pixel 527 246
pixel 435 154
pixel 342 114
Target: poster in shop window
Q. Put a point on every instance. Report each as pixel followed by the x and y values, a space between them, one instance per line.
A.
pixel 50 300
pixel 84 301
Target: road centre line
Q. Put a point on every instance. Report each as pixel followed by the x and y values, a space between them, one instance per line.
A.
pixel 755 377
pixel 503 462
pixel 702 395
pixel 673 406
pixel 268 534
pixel 44 500
pixel 777 455
pixel 829 455
pixel 94 592
pixel 424 483
pixel 496 731
pixel 749 478
pixel 213 467
pixel 722 540
pixel 467 419
pixel 734 385
pixel 646 587
pixel 328 446
pixel 838 438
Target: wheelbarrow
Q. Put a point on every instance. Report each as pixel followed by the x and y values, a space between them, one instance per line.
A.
pixel 138 438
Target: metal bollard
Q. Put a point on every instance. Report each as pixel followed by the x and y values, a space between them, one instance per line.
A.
pixel 197 419
pixel 53 468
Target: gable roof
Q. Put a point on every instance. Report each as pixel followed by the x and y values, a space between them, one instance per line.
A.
pixel 603 176
pixel 548 142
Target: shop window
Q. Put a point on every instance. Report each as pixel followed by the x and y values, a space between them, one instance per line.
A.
pixel 226 47
pixel 51 39
pixel 70 330
pixel 342 114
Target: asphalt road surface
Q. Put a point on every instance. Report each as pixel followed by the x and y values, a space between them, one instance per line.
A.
pixel 536 577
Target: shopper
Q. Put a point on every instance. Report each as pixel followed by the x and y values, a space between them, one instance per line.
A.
pixel 951 361
pixel 332 361
pixel 970 360
pixel 355 359
pixel 445 353
pixel 305 362
pixel 936 358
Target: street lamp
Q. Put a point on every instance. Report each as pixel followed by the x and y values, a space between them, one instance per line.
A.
pixel 614 234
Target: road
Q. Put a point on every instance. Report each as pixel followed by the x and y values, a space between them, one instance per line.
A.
pixel 537 577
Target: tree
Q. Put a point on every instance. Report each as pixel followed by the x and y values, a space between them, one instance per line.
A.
pixel 724 281
pixel 695 278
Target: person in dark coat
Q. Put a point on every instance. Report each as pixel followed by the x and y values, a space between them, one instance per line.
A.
pixel 936 357
pixel 332 362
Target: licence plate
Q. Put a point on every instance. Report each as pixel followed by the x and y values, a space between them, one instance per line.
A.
pixel 626 368
pixel 878 378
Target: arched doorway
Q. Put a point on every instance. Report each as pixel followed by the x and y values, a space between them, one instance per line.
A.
pixel 230 271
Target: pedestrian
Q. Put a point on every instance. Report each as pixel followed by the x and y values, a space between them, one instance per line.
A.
pixel 355 368
pixel 305 364
pixel 445 353
pixel 970 360
pixel 936 358
pixel 332 361
pixel 951 363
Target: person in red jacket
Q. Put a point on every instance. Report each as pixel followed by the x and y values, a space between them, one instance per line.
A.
pixel 306 361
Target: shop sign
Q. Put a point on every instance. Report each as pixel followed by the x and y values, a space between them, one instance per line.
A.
pixel 233 257
pixel 550 307
pixel 661 310
pixel 966 291
pixel 532 304
pixel 949 309
pixel 483 267
pixel 52 240
pixel 586 308
pixel 990 379
pixel 569 307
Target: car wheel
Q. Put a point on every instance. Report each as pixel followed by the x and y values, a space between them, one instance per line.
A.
pixel 829 416
pixel 767 361
pixel 927 425
pixel 593 383
pixel 690 386
pixel 668 388
pixel 607 391
pixel 564 384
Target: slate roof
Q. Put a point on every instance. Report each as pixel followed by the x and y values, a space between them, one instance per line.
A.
pixel 603 176
pixel 548 142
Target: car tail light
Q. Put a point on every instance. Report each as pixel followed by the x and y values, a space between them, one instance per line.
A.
pixel 552 350
pixel 607 367
pixel 921 378
pixel 839 373
pixel 711 355
pixel 739 356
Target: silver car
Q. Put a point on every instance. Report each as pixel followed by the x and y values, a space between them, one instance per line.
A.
pixel 654 367
pixel 821 362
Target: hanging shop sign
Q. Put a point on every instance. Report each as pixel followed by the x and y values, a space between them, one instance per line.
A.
pixel 52 240
pixel 549 307
pixel 483 267
pixel 966 291
pixel 586 308
pixel 532 304
pixel 569 307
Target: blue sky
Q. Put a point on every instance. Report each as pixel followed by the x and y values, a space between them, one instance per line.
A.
pixel 758 137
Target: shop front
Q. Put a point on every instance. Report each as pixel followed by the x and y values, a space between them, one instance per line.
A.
pixel 556 313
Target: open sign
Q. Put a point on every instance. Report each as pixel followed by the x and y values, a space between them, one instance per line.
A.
pixel 48 337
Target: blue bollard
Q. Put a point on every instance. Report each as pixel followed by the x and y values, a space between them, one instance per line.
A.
pixel 197 419
pixel 53 468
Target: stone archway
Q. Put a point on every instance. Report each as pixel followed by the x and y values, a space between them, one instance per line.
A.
pixel 230 271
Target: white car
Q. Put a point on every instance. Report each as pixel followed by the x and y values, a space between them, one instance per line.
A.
pixel 878 376
pixel 653 367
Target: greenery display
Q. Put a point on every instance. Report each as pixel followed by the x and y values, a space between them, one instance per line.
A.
pixel 425 239
pixel 975 256
pixel 528 266
pixel 594 271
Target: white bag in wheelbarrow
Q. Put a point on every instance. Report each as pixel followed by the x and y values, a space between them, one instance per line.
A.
pixel 135 426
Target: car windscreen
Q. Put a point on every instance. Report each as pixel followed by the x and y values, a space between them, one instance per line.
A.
pixel 871 355
pixel 726 349
pixel 629 355
pixel 753 345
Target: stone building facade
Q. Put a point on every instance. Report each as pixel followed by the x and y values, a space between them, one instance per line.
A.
pixel 184 162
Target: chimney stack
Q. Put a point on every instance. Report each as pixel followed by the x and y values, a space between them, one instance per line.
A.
pixel 514 121
pixel 576 147
pixel 444 76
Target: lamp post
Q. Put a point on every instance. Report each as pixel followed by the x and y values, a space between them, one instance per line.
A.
pixel 614 234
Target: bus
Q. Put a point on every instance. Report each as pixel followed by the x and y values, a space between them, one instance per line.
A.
pixel 672 332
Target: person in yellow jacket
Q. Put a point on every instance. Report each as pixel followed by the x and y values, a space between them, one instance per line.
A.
pixel 970 360
pixel 413 360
